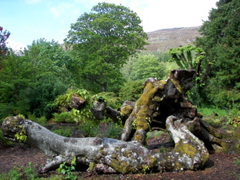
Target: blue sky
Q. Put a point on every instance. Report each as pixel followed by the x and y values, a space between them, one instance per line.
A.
pixel 29 20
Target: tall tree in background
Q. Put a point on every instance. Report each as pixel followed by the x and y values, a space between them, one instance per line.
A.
pixel 103 40
pixel 220 39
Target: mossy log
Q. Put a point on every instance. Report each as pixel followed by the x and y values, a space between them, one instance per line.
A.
pixel 111 155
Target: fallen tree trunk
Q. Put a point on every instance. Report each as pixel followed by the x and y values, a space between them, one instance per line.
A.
pixel 111 155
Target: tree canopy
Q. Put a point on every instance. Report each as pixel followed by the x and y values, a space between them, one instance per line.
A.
pixel 102 41
pixel 30 83
pixel 220 40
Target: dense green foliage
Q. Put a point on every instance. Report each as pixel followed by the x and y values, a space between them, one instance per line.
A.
pixel 30 82
pixel 65 113
pixel 102 41
pixel 220 40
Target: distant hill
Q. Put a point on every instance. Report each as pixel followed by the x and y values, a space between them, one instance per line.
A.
pixel 164 39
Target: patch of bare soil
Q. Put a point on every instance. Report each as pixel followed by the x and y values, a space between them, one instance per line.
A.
pixel 220 166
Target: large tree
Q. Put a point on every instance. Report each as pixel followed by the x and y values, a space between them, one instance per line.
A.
pixel 220 40
pixel 102 41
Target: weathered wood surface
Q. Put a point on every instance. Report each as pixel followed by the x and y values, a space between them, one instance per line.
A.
pixel 111 155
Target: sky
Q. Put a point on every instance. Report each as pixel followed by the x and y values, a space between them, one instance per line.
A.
pixel 29 20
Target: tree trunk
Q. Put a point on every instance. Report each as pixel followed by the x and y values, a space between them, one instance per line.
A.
pixel 111 155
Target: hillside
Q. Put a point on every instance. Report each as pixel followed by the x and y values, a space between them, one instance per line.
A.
pixel 164 39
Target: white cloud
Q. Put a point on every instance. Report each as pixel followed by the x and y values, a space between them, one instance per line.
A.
pixel 15 45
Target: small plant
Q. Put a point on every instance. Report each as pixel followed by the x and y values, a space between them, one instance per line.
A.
pixel 21 136
pixel 67 169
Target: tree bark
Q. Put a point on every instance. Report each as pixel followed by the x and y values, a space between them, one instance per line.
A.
pixel 111 155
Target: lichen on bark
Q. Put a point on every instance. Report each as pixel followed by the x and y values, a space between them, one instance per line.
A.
pixel 111 155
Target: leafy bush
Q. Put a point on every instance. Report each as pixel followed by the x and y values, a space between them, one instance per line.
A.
pixel 62 103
